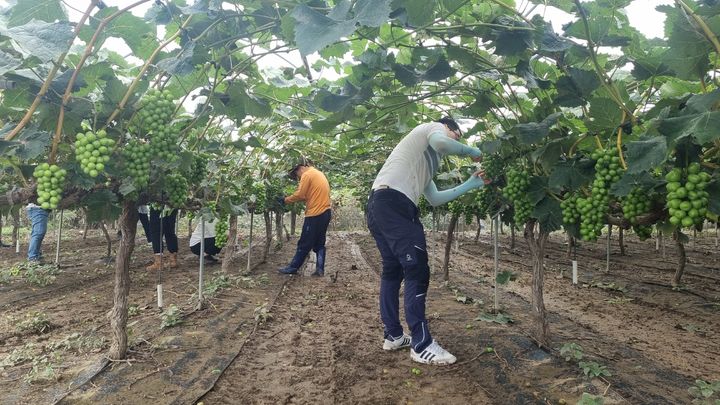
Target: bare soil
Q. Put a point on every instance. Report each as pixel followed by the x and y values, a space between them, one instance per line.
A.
pixel 269 338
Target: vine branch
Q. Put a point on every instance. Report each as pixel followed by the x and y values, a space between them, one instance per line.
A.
pixel 46 85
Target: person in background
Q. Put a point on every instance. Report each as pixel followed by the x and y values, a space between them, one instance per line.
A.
pixel 314 189
pixel 143 216
pixel 164 219
pixel 393 221
pixel 38 227
pixel 211 248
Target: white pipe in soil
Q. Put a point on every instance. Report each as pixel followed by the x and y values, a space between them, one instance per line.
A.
pixel 249 251
pixel 17 246
pixel 158 277
pixel 662 244
pixel 160 296
pixel 202 262
pixel 607 261
pixel 58 232
pixel 574 272
pixel 496 220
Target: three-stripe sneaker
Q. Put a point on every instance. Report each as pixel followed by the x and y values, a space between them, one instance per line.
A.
pixel 397 343
pixel 433 354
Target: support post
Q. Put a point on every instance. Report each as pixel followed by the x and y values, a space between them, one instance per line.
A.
pixel 495 223
pixel 202 262
pixel 607 261
pixel 250 240
pixel 58 232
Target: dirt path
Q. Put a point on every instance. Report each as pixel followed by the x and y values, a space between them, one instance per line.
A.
pixel 268 338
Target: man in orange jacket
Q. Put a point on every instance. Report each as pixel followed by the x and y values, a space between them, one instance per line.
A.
pixel 314 189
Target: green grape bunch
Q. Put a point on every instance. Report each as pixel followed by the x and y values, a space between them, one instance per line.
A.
pixel 176 187
pixel 570 211
pixel 493 167
pixel 258 197
pixel 153 120
pixel 593 210
pixel 164 144
pixel 455 208
pixel 50 184
pixel 156 110
pixel 92 151
pixel 687 199
pixel 198 169
pixel 516 190
pixel 637 203
pixel 221 230
pixel 642 231
pixel 470 210
pixel 137 162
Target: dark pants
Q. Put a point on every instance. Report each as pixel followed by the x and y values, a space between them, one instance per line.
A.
pixel 394 223
pixel 210 248
pixel 312 238
pixel 145 221
pixel 168 230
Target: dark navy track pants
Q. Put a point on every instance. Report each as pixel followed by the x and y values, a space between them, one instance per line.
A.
pixel 312 238
pixel 394 223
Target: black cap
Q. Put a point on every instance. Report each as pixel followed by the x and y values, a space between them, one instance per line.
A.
pixel 301 162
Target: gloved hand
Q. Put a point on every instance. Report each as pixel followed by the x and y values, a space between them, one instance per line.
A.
pixel 281 201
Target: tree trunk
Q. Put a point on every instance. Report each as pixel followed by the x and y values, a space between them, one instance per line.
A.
pixel 621 237
pixel 107 238
pixel 279 229
pixel 682 259
pixel 477 234
pixel 190 228
pixel 231 245
pixel 119 313
pixel 536 244
pixel 293 221
pixel 571 245
pixel 268 235
pixel 16 227
pixel 448 246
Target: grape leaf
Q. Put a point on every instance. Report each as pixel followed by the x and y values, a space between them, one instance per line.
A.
pixel 646 154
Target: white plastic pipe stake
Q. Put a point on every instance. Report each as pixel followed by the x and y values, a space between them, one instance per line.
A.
pixel 159 295
pixel 574 272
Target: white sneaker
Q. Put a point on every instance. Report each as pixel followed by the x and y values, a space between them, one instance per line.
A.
pixel 433 354
pixel 397 343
